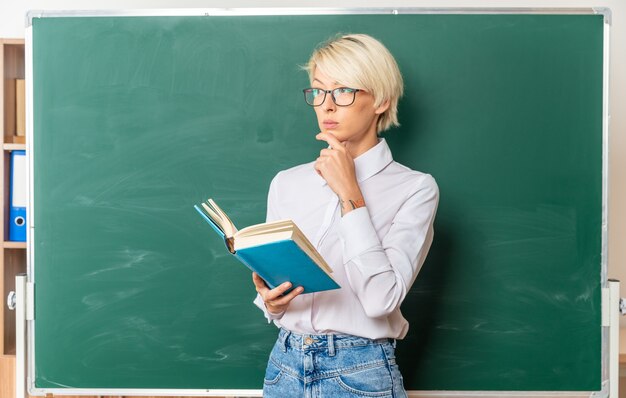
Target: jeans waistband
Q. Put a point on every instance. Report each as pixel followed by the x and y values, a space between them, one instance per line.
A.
pixel 330 341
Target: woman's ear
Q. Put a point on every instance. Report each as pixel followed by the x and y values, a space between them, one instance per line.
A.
pixel 382 107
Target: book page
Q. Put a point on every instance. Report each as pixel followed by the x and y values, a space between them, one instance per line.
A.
pixel 242 242
pixel 214 217
pixel 266 227
pixel 306 245
pixel 228 226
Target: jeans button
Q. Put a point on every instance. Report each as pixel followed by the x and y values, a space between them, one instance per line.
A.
pixel 308 341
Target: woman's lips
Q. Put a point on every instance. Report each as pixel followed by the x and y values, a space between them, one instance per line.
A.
pixel 329 124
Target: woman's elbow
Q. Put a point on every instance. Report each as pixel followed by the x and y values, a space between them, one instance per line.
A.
pixel 381 296
pixel 378 312
pixel 382 307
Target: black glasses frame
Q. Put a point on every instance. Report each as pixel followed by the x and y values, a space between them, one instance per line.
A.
pixel 332 95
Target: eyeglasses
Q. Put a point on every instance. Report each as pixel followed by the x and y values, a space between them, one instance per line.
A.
pixel 342 96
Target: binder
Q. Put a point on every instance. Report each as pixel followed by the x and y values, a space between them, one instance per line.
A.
pixel 18 197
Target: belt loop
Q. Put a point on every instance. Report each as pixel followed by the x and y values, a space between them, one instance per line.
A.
pixel 284 335
pixel 331 345
pixel 393 342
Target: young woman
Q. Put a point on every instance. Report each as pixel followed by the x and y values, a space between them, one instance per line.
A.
pixel 370 217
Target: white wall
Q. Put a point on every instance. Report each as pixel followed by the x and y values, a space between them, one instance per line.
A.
pixel 12 22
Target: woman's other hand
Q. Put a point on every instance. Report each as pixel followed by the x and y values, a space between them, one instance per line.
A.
pixel 336 166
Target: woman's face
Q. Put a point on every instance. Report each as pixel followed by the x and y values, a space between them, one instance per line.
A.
pixel 354 125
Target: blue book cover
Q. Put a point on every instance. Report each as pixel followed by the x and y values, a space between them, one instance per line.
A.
pixel 284 254
pixel 284 261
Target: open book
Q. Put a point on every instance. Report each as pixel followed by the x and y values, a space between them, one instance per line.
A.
pixel 278 251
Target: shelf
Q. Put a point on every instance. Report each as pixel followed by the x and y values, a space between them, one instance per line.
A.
pixel 14 147
pixel 13 42
pixel 14 245
pixel 14 264
pixel 13 257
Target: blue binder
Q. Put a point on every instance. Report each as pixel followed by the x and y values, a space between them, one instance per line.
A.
pixel 18 196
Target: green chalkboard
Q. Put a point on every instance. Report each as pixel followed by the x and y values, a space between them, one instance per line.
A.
pixel 137 118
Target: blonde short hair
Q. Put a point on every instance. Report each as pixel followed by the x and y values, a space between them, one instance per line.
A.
pixel 360 61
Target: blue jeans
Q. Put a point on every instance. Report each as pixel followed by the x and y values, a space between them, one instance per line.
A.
pixel 332 366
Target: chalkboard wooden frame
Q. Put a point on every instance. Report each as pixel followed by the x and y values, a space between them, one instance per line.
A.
pixel 218 12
